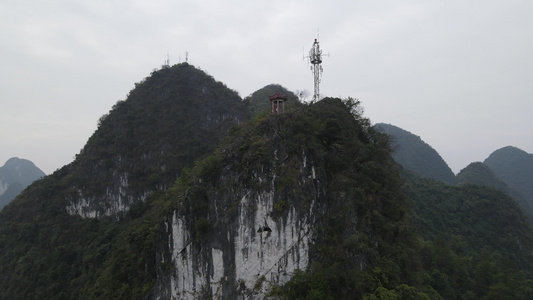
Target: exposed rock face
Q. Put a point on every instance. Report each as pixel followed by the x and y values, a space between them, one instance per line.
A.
pixel 255 238
pixel 244 260
pixel 236 234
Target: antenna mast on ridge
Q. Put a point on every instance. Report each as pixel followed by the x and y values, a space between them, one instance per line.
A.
pixel 167 62
pixel 315 58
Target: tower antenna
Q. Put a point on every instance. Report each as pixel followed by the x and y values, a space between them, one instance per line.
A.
pixel 315 58
pixel 167 62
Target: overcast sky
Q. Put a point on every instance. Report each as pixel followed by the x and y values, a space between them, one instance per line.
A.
pixel 456 73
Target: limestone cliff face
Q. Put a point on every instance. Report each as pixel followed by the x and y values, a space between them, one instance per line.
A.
pixel 249 237
pixel 244 260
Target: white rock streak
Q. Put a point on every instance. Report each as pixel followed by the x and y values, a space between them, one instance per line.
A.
pixel 110 204
pixel 269 256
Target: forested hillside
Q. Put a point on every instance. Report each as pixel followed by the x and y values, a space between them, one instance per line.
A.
pixel 480 174
pixel 417 156
pixel 477 242
pixel 169 120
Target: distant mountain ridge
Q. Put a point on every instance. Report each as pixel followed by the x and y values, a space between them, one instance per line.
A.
pixel 508 169
pixel 15 175
pixel 480 174
pixel 415 155
pixel 515 168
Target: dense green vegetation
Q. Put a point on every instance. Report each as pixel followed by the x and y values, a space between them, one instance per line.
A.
pixel 473 243
pixel 480 174
pixel 417 156
pixel 47 254
pixel 365 245
pixel 477 243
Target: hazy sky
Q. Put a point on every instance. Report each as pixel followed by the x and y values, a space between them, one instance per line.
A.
pixel 457 73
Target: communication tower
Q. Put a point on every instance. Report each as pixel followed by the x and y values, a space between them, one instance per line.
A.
pixel 315 58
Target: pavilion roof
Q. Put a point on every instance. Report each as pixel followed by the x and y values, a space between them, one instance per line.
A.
pixel 276 96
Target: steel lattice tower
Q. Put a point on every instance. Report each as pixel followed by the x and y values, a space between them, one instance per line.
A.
pixel 315 58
